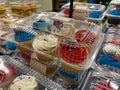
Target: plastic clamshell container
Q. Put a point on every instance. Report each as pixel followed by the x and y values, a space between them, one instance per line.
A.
pixel 65 10
pixel 21 69
pixel 110 15
pixel 99 80
pixel 108 58
pixel 115 2
pixel 66 46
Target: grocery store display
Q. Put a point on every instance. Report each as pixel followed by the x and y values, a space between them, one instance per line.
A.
pixel 24 82
pixel 48 50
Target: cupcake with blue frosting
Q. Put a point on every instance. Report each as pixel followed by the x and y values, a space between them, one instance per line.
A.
pixel 114 17
pixel 41 25
pixel 24 38
pixel 11 45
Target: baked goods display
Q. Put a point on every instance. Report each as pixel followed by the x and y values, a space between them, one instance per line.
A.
pixel 61 52
pixel 24 9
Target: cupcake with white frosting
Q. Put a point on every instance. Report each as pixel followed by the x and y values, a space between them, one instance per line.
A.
pixel 45 47
pixel 24 82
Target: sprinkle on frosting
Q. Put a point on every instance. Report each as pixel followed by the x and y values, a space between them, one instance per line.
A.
pixel 24 82
pixel 45 42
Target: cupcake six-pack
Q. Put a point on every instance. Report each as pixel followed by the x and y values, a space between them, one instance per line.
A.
pixel 49 51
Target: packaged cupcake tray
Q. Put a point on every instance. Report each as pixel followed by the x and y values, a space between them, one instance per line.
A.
pixel 101 81
pixel 108 57
pixel 18 71
pixel 83 11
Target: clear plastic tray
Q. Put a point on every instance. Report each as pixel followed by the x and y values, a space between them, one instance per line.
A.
pixel 22 70
pixel 111 39
pixel 91 52
pixel 96 7
pixel 96 80
pixel 111 7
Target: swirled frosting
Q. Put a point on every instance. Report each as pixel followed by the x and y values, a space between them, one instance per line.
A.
pixel 45 42
pixel 24 82
pixel 24 34
pixel 72 53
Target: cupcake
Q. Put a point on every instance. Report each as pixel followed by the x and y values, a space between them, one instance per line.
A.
pixel 114 19
pixel 41 25
pixel 64 29
pixel 24 82
pixel 74 54
pixel 45 47
pixel 11 46
pixel 86 37
pixel 24 38
pixel 112 50
pixel 95 16
pixel 80 12
pixel 7 74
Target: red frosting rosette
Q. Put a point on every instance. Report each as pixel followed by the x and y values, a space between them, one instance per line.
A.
pixel 7 71
pixel 85 36
pixel 72 52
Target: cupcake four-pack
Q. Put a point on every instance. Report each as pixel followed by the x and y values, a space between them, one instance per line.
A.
pixel 59 51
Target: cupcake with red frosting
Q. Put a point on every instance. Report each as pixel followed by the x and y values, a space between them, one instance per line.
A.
pixel 7 74
pixel 72 57
pixel 72 53
pixel 86 37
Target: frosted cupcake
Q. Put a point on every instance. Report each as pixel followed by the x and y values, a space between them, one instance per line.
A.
pixel 86 37
pixel 24 38
pixel 63 29
pixel 80 12
pixel 45 47
pixel 24 82
pixel 7 74
pixel 72 53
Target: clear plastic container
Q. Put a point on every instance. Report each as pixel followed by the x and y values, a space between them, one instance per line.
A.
pixel 21 69
pixel 113 15
pixel 97 80
pixel 94 12
pixel 108 57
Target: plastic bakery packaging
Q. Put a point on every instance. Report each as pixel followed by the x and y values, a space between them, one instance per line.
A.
pixel 83 11
pixel 99 80
pixel 15 76
pixel 96 13
pixel 113 15
pixel 77 55
pixel 109 57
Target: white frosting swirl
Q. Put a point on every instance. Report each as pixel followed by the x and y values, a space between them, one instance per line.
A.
pixel 45 42
pixel 111 49
pixel 24 82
